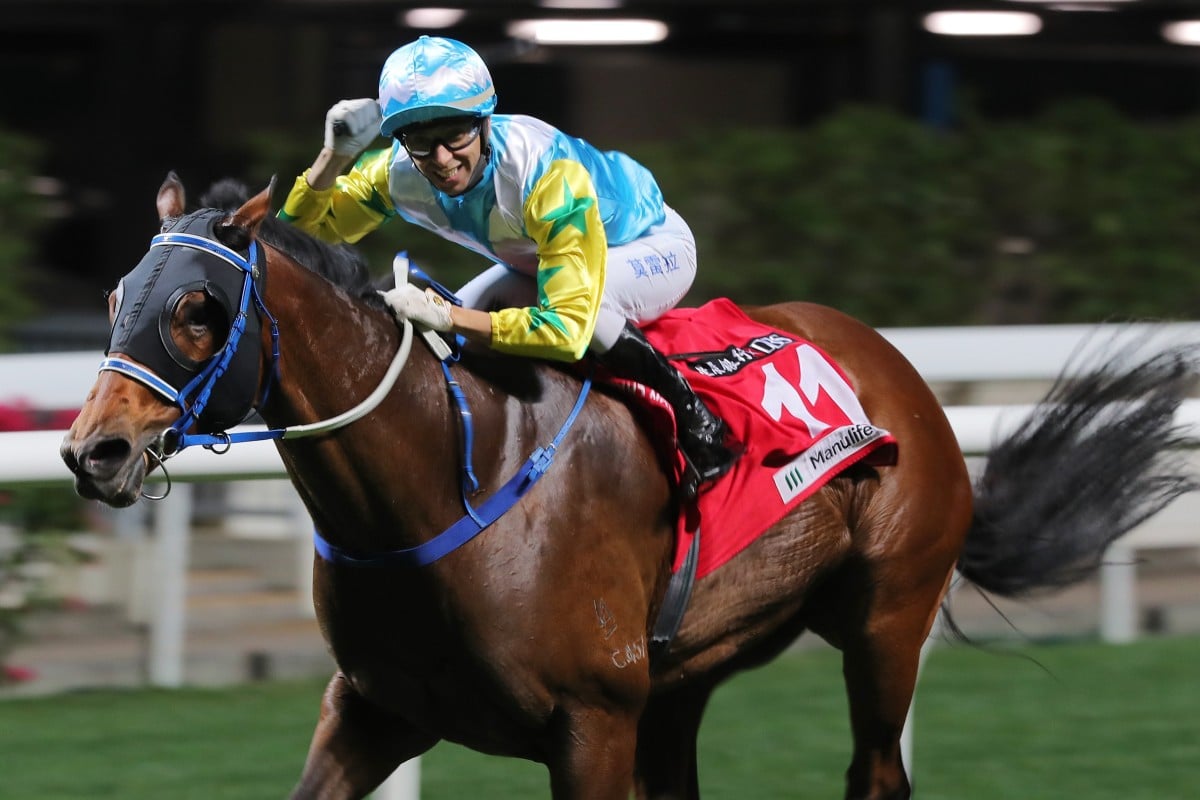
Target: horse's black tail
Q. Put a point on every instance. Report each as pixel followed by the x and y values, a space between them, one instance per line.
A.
pixel 1101 453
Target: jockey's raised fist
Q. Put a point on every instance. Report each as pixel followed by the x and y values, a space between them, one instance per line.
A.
pixel 351 125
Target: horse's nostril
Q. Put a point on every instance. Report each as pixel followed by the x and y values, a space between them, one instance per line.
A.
pixel 68 457
pixel 106 456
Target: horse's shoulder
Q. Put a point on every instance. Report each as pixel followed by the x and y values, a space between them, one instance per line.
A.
pixel 532 380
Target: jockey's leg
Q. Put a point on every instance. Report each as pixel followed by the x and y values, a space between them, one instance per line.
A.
pixel 702 435
pixel 644 279
pixel 498 286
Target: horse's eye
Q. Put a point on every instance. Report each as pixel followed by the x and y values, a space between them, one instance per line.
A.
pixel 196 314
pixel 201 318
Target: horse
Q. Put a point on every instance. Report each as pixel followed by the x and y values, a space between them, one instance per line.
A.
pixel 529 640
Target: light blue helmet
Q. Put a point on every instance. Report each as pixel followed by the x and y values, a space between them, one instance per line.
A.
pixel 432 78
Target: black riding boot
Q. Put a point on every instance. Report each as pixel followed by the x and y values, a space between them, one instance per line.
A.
pixel 702 435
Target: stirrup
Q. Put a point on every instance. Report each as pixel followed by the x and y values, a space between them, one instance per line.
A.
pixel 693 480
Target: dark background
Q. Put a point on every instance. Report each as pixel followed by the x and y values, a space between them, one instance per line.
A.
pixel 122 91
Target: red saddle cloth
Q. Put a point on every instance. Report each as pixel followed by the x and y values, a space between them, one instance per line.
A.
pixel 790 405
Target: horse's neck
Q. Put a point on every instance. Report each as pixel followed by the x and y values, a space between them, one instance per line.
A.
pixel 327 341
pixel 334 351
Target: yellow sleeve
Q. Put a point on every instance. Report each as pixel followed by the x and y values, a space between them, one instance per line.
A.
pixel 356 204
pixel 563 218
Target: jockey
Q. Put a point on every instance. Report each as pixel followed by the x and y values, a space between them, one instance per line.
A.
pixel 583 243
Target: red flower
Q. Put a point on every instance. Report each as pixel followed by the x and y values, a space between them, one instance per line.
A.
pixel 17 674
pixel 16 417
pixel 62 419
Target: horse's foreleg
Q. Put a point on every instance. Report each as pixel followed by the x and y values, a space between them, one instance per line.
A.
pixel 594 755
pixel 666 751
pixel 355 746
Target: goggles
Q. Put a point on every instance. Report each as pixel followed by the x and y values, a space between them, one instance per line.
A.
pixel 422 142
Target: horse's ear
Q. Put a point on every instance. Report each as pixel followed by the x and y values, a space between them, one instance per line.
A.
pixel 170 197
pixel 250 216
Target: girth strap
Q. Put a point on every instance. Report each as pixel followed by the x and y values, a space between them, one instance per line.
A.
pixel 675 602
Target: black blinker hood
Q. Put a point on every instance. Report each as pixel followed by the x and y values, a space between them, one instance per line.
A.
pixel 148 296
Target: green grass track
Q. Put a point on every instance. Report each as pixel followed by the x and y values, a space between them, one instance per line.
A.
pixel 1043 722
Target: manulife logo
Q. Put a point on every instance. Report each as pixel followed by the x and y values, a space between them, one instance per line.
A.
pixel 793 479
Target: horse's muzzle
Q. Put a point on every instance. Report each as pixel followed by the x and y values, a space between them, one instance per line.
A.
pixel 105 469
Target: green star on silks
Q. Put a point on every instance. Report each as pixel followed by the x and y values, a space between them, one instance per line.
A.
pixel 540 314
pixel 571 212
pixel 377 204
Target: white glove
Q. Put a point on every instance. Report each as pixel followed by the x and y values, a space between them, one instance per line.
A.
pixel 427 308
pixel 351 125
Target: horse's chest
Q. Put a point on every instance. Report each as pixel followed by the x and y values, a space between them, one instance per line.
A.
pixel 428 669
pixel 458 703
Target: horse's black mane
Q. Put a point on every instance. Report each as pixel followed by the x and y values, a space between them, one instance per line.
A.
pixel 341 265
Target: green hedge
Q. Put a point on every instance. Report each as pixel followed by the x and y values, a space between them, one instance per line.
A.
pixel 1078 215
pixel 22 215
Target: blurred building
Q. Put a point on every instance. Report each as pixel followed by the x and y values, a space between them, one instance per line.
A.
pixel 121 91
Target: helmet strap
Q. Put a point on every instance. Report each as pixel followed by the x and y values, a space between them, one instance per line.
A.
pixel 485 152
